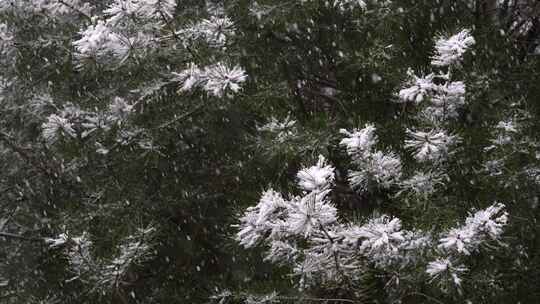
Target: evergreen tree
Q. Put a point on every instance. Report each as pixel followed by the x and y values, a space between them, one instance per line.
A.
pixel 136 137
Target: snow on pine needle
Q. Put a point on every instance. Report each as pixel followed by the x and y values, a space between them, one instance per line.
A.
pixel 57 127
pixel 102 43
pixel 359 141
pixel 446 102
pixel 438 96
pixel 221 78
pixel 276 216
pixel 103 272
pixel 429 146
pixel 126 29
pixel 216 80
pixel 307 214
pixel 190 77
pixel 486 224
pixel 282 130
pixel 377 169
pixel 72 122
pixel 215 31
pixel 418 88
pixel 381 239
pixel 347 4
pixel 316 178
pixel 134 249
pixel 306 233
pixel 504 134
pixel 373 168
pixel 441 100
pixel 6 39
pixel 449 51
pixel 120 10
pixel 443 271
pixel 259 221
pixel 77 250
pixel 65 7
pixel 421 184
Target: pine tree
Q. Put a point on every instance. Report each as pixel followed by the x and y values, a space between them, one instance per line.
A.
pixel 136 135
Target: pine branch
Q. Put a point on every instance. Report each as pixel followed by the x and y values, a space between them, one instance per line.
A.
pixel 8 140
pixel 183 116
pixel 432 299
pixel 326 300
pixel 20 237
pixel 75 9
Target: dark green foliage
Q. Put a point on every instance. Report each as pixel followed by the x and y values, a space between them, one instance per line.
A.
pixel 209 160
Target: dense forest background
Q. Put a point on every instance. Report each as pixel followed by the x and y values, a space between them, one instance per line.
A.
pixel 134 134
